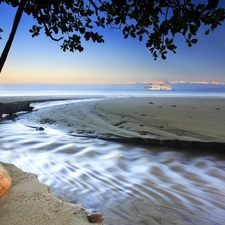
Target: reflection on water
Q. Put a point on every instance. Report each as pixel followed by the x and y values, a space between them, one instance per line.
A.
pixel 129 184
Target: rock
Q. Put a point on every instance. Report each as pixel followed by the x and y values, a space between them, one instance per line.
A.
pixel 30 202
pixel 95 217
pixel 40 128
pixel 14 107
pixel 5 108
pixel 5 181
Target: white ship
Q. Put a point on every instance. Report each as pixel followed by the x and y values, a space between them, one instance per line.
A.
pixel 158 86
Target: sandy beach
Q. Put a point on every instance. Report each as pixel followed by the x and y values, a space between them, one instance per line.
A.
pixel 172 121
pixel 30 202
pixel 168 118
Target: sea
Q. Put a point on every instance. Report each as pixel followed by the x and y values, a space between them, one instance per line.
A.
pixel 205 90
pixel 130 184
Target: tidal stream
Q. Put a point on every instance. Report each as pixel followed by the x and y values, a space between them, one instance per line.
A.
pixel 127 183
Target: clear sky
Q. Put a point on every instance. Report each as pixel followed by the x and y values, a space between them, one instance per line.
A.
pixel 116 61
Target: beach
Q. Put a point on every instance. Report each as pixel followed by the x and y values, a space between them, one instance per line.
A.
pixel 183 123
pixel 30 202
pixel 172 121
pixel 168 118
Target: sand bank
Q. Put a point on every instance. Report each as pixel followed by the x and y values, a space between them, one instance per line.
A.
pixel 30 202
pixel 200 119
pixel 172 121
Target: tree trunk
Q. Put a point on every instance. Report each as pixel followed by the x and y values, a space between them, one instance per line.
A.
pixel 12 34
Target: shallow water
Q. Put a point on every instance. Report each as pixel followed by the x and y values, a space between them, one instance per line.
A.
pixel 129 184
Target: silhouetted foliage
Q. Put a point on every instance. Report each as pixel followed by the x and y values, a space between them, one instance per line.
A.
pixel 155 21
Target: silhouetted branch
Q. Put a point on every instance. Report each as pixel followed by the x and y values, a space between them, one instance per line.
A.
pixel 48 32
pixel 12 34
pixel 95 6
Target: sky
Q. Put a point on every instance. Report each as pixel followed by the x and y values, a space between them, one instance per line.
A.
pixel 40 60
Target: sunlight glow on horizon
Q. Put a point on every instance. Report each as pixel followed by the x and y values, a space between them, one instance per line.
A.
pixel 197 82
pixel 7 82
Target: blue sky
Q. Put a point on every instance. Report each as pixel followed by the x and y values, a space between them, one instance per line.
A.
pixel 116 61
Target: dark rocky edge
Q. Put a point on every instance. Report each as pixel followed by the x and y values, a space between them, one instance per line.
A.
pixel 12 108
pixel 15 107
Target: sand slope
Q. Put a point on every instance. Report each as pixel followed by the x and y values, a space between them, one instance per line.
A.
pixel 30 202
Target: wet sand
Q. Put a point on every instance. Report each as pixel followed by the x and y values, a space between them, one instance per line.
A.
pixel 174 118
pixel 171 121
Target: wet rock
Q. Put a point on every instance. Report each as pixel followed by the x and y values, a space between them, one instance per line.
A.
pixel 40 128
pixel 5 181
pixel 94 217
pixel 6 109
pixel 14 107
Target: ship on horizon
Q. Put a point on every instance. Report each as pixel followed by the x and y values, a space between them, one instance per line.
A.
pixel 158 86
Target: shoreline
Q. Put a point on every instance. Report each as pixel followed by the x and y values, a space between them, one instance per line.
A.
pixel 29 201
pixel 192 123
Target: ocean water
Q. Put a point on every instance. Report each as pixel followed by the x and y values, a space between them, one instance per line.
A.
pixel 207 90
pixel 129 184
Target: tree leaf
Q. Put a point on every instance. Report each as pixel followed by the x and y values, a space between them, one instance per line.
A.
pixel 82 30
pixel 194 41
pixel 133 35
pixel 163 56
pixel 207 32
pixel 126 35
pixel 193 29
pixel 189 36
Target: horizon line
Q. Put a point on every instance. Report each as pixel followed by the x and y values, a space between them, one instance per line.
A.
pixel 115 83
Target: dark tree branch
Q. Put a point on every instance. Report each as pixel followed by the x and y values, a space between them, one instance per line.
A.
pixel 95 6
pixel 47 30
pixel 48 33
pixel 12 34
